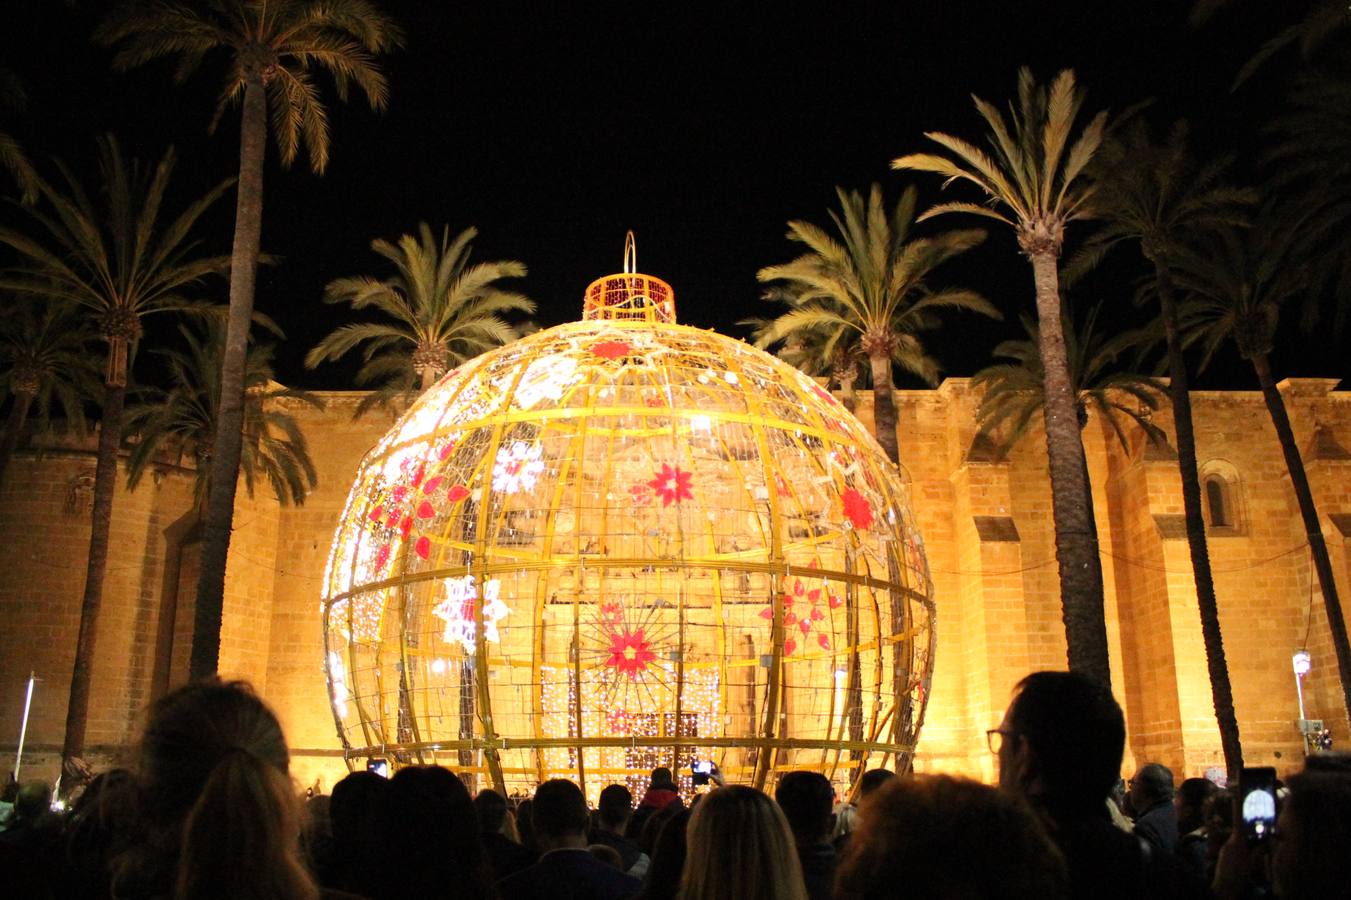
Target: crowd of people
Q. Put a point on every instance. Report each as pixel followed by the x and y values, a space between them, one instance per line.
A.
pixel 211 812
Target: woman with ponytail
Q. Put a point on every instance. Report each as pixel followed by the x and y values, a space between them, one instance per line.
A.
pixel 220 817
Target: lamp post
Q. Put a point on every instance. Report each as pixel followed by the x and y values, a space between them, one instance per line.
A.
pixel 23 727
pixel 1302 663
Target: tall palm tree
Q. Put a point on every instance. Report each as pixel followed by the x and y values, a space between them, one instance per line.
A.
pixel 46 365
pixel 14 98
pixel 443 310
pixel 120 259
pixel 275 50
pixel 182 420
pixel 871 285
pixel 1035 185
pixel 1153 195
pixel 1237 284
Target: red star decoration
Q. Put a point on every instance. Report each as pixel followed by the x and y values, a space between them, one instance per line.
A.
pixel 612 349
pixel 856 509
pixel 801 611
pixel 672 484
pixel 629 653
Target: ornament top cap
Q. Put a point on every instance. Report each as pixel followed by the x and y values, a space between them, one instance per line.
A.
pixel 629 295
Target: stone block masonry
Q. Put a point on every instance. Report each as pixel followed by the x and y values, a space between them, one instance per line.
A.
pixel 986 521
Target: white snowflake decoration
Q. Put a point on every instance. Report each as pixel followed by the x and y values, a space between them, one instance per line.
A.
pixel 546 379
pixel 457 610
pixel 517 467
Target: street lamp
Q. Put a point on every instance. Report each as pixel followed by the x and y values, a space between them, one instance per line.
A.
pixel 1302 663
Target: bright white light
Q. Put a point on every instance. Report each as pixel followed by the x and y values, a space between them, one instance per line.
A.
pixel 1302 662
pixel 701 423
pixel 517 467
pixel 457 611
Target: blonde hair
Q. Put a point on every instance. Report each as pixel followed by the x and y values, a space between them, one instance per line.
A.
pixel 740 848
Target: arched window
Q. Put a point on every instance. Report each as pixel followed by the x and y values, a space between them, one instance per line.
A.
pixel 1217 503
pixel 1222 497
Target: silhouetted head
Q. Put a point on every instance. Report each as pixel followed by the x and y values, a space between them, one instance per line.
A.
pixel 33 802
pixel 948 838
pixel 807 800
pixel 491 809
pixel 615 807
pixel 559 814
pixel 1152 784
pixel 1190 802
pixel 432 829
pixel 871 780
pixel 1311 858
pixel 1062 741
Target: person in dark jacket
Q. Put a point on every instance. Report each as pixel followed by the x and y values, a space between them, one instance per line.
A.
pixel 505 856
pixel 612 818
pixel 566 870
pixel 807 799
pixel 661 791
pixel 1190 804
pixel 1059 748
pixel 1151 800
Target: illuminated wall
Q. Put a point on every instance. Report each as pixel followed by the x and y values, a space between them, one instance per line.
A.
pixel 988 541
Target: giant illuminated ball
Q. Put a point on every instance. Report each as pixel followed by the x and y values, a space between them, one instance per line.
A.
pixel 623 543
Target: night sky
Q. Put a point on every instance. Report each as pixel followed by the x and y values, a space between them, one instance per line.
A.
pixel 554 127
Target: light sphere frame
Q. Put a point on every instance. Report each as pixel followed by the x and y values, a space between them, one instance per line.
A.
pixel 622 543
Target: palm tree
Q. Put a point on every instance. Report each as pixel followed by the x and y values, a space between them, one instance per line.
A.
pixel 1237 283
pixel 1153 195
pixel 276 48
pixel 45 365
pixel 812 350
pixel 1317 26
pixel 1034 184
pixel 120 260
pixel 1311 164
pixel 871 286
pixel 444 311
pixel 12 99
pixel 1012 397
pixel 182 420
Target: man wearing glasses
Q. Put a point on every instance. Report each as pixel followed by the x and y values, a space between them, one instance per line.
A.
pixel 1059 748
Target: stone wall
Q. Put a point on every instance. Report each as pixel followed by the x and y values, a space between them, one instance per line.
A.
pixel 986 519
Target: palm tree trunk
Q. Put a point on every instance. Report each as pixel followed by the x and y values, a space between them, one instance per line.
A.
pixel 18 417
pixel 1076 544
pixel 848 398
pixel 1221 692
pixel 230 416
pixel 1318 548
pixel 884 405
pixel 105 488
